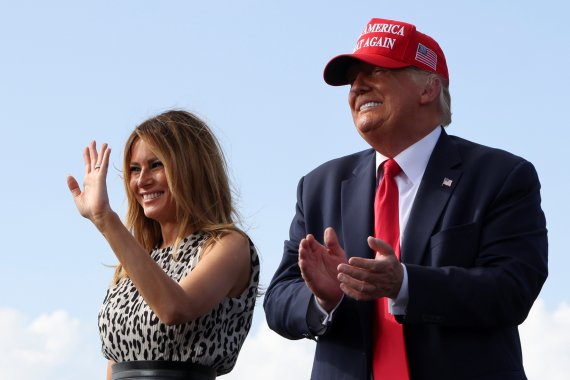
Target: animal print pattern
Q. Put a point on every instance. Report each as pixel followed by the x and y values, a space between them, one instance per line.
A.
pixel 130 330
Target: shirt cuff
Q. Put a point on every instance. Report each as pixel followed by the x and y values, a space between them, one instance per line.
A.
pixel 399 305
pixel 318 319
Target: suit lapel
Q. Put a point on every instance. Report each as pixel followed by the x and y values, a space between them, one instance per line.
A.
pixel 437 185
pixel 357 197
pixel 357 207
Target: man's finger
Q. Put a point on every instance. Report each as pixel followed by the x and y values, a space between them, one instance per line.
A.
pixel 380 247
pixel 360 270
pixel 332 243
pixel 357 294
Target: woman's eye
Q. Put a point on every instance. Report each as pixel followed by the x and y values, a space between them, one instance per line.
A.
pixel 156 164
pixel 134 169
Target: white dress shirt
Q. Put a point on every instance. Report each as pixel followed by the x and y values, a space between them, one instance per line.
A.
pixel 413 161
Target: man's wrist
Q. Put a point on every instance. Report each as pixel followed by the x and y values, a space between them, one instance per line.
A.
pixel 328 306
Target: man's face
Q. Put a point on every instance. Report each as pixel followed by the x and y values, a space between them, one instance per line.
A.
pixel 383 103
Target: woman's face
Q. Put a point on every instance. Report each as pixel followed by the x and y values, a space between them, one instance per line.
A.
pixel 149 184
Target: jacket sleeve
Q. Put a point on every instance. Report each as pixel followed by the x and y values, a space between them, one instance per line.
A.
pixel 287 298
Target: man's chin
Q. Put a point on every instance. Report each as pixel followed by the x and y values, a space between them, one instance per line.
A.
pixel 366 129
pixel 366 125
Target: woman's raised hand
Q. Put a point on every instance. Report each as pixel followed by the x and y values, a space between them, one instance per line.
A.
pixel 93 201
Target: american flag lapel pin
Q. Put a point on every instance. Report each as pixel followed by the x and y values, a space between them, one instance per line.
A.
pixel 447 182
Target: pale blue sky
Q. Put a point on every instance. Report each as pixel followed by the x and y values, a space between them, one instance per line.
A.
pixel 72 71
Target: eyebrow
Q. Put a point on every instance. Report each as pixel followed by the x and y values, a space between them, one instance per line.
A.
pixel 151 160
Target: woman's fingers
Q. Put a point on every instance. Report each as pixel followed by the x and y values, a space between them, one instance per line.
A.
pixel 96 160
pixel 73 186
pixel 103 164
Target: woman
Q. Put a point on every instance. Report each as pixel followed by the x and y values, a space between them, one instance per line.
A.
pixel 185 308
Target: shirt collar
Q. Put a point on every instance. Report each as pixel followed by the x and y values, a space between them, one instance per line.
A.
pixel 414 159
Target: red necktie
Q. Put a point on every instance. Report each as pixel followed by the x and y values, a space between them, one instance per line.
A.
pixel 390 361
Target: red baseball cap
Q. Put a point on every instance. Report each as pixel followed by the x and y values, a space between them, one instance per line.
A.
pixel 392 45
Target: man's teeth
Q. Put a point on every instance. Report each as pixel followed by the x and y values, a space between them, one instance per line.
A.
pixel 150 196
pixel 369 105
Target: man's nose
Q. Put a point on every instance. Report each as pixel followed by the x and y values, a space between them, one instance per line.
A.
pixel 359 84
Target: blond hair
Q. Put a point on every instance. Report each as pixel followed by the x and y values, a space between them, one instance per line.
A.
pixel 196 173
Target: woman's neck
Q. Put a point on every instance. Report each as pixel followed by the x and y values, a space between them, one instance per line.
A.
pixel 170 233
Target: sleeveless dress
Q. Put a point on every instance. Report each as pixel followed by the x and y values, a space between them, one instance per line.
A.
pixel 131 331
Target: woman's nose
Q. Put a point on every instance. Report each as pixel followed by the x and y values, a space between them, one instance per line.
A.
pixel 145 177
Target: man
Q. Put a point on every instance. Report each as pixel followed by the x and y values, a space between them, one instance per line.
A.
pixel 418 258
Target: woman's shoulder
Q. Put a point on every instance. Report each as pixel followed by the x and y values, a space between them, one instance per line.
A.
pixel 232 241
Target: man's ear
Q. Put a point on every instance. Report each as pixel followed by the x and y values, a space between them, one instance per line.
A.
pixel 431 90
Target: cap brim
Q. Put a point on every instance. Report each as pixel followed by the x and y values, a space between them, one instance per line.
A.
pixel 336 70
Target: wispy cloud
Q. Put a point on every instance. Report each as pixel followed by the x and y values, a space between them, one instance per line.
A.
pixel 266 355
pixel 32 350
pixel 545 338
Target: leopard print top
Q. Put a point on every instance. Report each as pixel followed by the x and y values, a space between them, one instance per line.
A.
pixel 130 330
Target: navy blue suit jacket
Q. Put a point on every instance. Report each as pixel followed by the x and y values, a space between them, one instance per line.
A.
pixel 475 249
